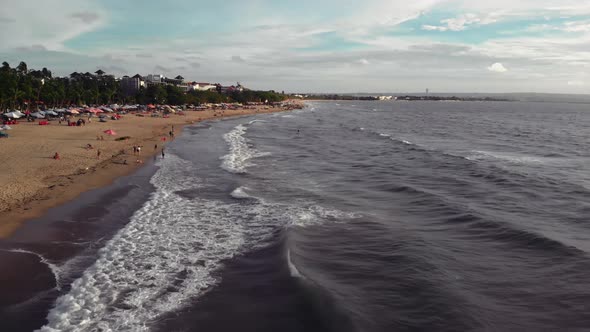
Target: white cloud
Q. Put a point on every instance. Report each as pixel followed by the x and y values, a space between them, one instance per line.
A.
pixel 462 22
pixel 434 28
pixel 47 23
pixel 576 83
pixel 497 68
pixel 391 12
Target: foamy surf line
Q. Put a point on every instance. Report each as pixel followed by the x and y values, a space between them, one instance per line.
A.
pixel 240 153
pixel 165 256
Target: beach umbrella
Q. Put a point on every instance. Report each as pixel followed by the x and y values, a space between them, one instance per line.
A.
pixel 12 115
pixel 52 113
pixel 37 115
pixel 19 113
pixel 60 110
pixel 110 132
pixel 74 111
pixel 106 109
pixel 6 127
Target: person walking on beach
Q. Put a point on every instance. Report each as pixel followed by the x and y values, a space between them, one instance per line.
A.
pixel 98 154
pixel 134 150
pixel 156 147
pixel 138 149
pixel 163 155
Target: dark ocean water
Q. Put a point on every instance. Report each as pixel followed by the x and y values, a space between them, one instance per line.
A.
pixel 366 216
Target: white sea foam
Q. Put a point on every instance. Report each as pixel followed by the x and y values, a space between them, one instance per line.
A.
pixel 303 215
pixel 401 140
pixel 161 258
pixel 240 193
pixel 288 116
pixel 237 160
pixel 511 158
pixel 55 270
pixel 164 257
pixel 292 268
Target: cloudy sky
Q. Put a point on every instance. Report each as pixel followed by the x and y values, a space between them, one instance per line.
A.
pixel 313 46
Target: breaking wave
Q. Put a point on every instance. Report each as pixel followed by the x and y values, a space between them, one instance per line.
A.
pixel 166 255
pixel 240 153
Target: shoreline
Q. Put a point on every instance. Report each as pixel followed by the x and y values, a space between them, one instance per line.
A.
pixel 61 187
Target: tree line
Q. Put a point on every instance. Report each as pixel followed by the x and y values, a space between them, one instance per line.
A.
pixel 24 88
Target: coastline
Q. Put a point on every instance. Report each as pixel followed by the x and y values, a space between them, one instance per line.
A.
pixel 60 185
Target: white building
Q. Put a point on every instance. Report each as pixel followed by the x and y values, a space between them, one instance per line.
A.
pixel 196 86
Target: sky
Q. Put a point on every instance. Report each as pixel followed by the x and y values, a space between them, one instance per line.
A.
pixel 340 46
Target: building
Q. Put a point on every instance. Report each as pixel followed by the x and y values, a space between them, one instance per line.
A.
pixel 131 85
pixel 230 89
pixel 200 86
pixel 154 79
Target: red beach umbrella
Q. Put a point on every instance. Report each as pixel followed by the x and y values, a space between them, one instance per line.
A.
pixel 110 132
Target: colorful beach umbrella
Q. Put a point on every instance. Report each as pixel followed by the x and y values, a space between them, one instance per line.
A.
pixel 110 132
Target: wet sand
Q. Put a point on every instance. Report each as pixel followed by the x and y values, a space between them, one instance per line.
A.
pixel 32 181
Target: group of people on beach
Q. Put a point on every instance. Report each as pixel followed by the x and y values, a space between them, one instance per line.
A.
pixel 137 150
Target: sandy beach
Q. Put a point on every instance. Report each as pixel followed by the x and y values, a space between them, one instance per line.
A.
pixel 32 181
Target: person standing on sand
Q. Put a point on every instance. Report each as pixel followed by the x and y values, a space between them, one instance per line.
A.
pixel 138 149
pixel 163 155
pixel 98 154
pixel 155 147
